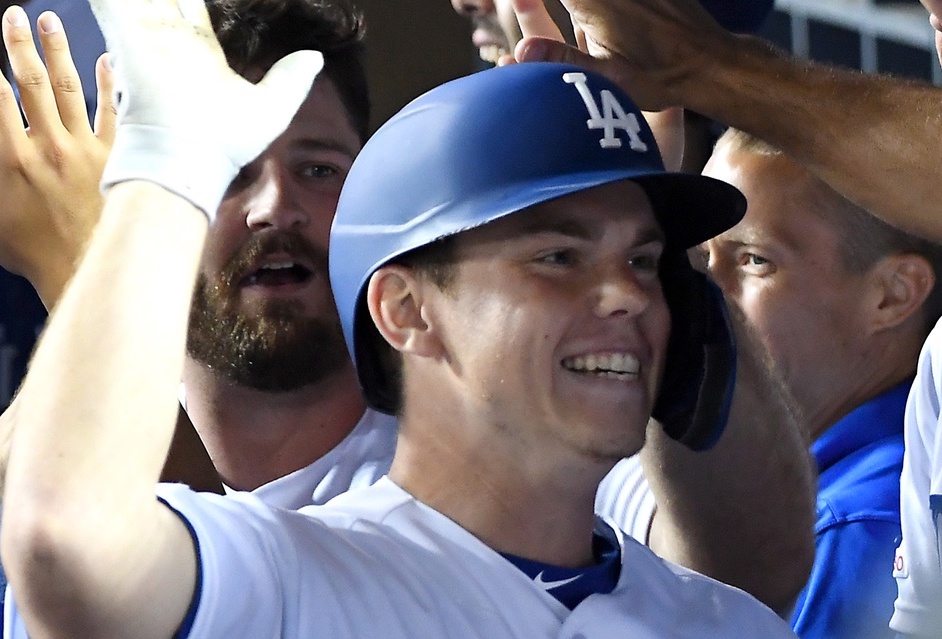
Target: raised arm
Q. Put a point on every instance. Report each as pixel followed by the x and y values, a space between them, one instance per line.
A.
pixel 51 172
pixel 874 139
pixel 95 414
pixel 87 453
pixel 743 511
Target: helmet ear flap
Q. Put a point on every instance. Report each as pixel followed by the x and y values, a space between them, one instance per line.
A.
pixel 700 368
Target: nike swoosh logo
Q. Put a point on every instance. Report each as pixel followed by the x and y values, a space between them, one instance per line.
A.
pixel 549 585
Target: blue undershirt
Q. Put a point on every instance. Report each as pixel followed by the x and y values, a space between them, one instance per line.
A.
pixel 570 586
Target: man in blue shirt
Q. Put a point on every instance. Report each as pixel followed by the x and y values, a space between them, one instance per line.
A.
pixel 843 302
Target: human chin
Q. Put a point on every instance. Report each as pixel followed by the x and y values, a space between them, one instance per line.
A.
pixel 277 347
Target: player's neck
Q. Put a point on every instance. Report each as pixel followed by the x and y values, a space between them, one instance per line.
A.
pixel 517 502
pixel 884 366
pixel 255 437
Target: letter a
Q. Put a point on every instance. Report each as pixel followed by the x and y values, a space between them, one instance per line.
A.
pixel 609 117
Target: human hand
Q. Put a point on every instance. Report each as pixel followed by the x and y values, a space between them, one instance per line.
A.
pixel 666 125
pixel 50 171
pixel 649 47
pixel 186 120
pixel 934 7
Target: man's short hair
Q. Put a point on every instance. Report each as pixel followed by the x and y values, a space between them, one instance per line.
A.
pixel 866 239
pixel 260 32
pixel 438 263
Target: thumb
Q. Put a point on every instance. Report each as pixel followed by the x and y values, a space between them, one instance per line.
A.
pixel 545 50
pixel 289 82
pixel 613 66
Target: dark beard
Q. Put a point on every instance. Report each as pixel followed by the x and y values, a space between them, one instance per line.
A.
pixel 276 350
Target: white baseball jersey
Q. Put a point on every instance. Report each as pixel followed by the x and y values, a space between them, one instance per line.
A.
pixel 364 456
pixel 366 453
pixel 360 459
pixel 918 565
pixel 377 563
pixel 625 498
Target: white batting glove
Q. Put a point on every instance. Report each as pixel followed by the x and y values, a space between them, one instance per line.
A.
pixel 186 120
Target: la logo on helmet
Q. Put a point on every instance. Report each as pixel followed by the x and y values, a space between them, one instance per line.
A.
pixel 609 116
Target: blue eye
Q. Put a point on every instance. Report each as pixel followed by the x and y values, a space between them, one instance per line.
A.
pixel 314 170
pixel 558 258
pixel 755 265
pixel 646 262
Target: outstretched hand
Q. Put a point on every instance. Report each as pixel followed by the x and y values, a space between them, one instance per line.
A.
pixel 935 19
pixel 649 47
pixel 185 119
pixel 50 171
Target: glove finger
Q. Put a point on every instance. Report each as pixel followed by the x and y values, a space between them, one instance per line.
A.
pixel 283 89
pixel 194 12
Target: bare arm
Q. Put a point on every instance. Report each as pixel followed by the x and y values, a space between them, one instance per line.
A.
pixel 94 420
pixel 49 174
pixel 88 548
pixel 742 512
pixel 874 139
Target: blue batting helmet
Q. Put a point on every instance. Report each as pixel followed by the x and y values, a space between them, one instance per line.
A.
pixel 496 142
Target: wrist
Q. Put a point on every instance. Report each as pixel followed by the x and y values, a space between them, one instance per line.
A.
pixel 726 73
pixel 188 167
pixel 51 281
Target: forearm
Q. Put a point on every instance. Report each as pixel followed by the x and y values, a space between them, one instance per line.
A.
pixel 742 512
pixel 51 282
pixel 877 140
pixel 95 417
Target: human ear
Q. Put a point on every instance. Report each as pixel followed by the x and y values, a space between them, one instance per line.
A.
pixel 395 300
pixel 902 282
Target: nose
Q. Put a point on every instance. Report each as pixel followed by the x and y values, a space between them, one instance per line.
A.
pixel 718 267
pixel 623 292
pixel 472 8
pixel 269 200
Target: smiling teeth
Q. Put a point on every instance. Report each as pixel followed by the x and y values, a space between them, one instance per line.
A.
pixel 615 365
pixel 276 266
pixel 492 52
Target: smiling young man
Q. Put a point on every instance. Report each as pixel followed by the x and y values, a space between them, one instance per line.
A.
pixel 518 489
pixel 248 327
pixel 264 384
pixel 669 53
